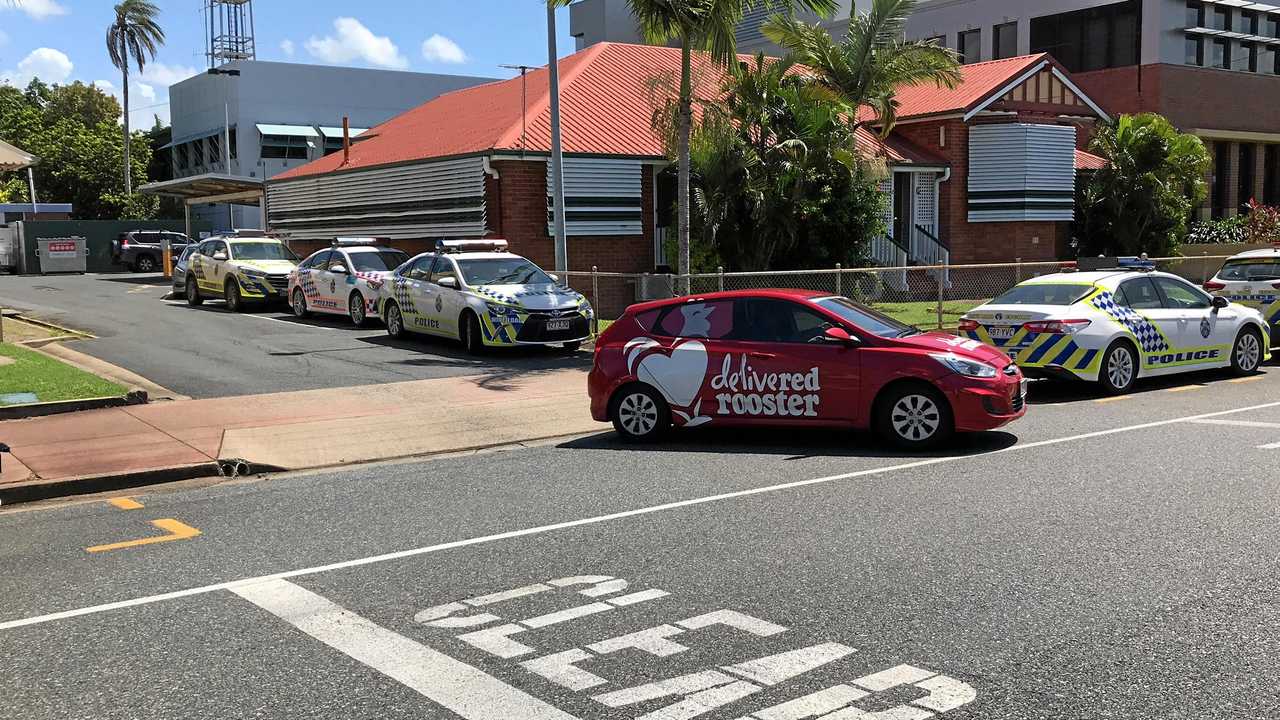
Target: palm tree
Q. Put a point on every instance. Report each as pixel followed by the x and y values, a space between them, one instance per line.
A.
pixel 707 26
pixel 134 36
pixel 865 69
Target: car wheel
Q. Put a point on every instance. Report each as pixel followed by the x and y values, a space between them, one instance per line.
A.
pixel 193 293
pixel 1246 354
pixel 639 414
pixel 355 308
pixel 572 347
pixel 145 264
pixel 915 417
pixel 299 304
pixel 469 329
pixel 231 293
pixel 1119 368
pixel 395 321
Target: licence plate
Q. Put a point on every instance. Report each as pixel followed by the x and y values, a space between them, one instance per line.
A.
pixel 1002 332
pixel 553 325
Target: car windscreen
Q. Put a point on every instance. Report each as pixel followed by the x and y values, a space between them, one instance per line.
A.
pixel 866 319
pixel 1044 294
pixel 261 251
pixel 501 271
pixel 379 261
pixel 1250 271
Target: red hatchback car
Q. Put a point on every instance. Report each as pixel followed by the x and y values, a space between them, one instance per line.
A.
pixel 767 357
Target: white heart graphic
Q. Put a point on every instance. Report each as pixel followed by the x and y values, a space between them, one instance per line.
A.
pixel 679 376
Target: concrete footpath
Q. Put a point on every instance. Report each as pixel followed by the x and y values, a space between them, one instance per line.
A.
pixel 121 447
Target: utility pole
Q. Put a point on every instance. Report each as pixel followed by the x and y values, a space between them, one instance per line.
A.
pixel 226 136
pixel 557 156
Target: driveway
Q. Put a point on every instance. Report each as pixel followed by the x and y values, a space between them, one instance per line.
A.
pixel 210 352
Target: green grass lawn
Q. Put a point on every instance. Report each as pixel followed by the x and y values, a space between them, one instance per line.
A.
pixel 49 379
pixel 925 314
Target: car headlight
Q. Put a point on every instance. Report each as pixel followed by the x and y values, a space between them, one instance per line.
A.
pixel 501 311
pixel 253 274
pixel 964 366
pixel 587 310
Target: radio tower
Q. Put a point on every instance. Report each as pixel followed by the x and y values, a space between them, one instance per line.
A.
pixel 230 31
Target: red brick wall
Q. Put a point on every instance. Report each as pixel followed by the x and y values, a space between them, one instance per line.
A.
pixel 1190 97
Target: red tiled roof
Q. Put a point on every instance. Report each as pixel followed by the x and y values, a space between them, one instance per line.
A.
pixel 1089 161
pixel 979 81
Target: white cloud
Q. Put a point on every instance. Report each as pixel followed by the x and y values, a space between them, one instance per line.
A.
pixel 161 74
pixel 50 65
pixel 355 42
pixel 144 99
pixel 40 9
pixel 439 48
pixel 287 47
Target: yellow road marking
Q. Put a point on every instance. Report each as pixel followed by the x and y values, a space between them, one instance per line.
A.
pixel 125 503
pixel 1117 398
pixel 1185 388
pixel 176 530
pixel 1254 378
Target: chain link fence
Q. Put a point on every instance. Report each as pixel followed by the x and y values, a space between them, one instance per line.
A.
pixel 930 297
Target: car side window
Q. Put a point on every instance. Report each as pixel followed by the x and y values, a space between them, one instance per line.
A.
pixel 336 258
pixel 421 268
pixel 220 247
pixel 442 269
pixel 317 261
pixel 1179 295
pixel 711 320
pixel 778 321
pixel 1139 294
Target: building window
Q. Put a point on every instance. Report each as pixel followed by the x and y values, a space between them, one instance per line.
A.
pixel 197 153
pixel 332 145
pixel 1195 50
pixel 1219 56
pixel 1221 159
pixel 1248 57
pixel 1271 175
pixel 1005 41
pixel 1246 190
pixel 1195 14
pixel 1271 26
pixel 969 45
pixel 234 135
pixel 284 147
pixel 1092 39
pixel 1247 22
pixel 215 149
pixel 180 156
pixel 1220 18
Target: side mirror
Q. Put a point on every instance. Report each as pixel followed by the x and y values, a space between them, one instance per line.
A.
pixel 554 277
pixel 219 256
pixel 839 336
pixel 448 281
pixel 338 269
pixel 1220 302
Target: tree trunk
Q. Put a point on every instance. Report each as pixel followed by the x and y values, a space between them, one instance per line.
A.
pixel 686 127
pixel 128 176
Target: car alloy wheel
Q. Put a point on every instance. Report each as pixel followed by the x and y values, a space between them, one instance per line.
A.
pixel 916 418
pixel 1120 368
pixel 231 294
pixel 395 321
pixel 146 264
pixel 1247 354
pixel 638 414
pixel 299 304
pixel 193 292
pixel 355 307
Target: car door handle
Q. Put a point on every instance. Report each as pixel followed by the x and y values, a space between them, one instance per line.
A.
pixel 762 355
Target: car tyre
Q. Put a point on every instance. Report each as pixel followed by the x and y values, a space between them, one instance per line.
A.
pixel 395 321
pixel 355 309
pixel 639 414
pixel 1246 353
pixel 145 264
pixel 469 329
pixel 572 347
pixel 231 293
pixel 1119 369
pixel 299 304
pixel 193 293
pixel 914 417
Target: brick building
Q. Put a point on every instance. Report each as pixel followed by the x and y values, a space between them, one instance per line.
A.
pixel 985 172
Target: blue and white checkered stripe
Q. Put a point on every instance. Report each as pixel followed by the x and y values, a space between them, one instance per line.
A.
pixel 1148 335
pixel 403 298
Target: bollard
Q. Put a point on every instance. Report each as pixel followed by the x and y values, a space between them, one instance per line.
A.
pixel 839 289
pixel 595 300
pixel 720 280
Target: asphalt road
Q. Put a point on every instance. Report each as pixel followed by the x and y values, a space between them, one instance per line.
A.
pixel 1096 560
pixel 210 352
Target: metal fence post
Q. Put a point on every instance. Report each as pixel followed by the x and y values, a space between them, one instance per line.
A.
pixel 1017 272
pixel 1205 253
pixel 839 286
pixel 595 300
pixel 941 293
pixel 720 277
pixel 671 285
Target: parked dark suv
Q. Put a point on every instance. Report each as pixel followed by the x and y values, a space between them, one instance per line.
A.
pixel 140 251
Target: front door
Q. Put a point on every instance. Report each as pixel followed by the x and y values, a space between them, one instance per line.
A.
pixel 446 303
pixel 331 284
pixel 1205 334
pixel 902 208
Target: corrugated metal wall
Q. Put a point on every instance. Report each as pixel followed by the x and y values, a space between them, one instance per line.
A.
pixel 601 197
pixel 423 200
pixel 1021 171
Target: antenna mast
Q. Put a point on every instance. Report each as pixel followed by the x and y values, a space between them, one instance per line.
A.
pixel 231 32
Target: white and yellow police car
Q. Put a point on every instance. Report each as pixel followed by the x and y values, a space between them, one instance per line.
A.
pixel 1252 279
pixel 241 267
pixel 344 279
pixel 1112 326
pixel 476 292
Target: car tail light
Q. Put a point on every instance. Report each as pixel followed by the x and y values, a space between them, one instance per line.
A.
pixel 124 243
pixel 1214 285
pixel 1057 327
pixel 967 325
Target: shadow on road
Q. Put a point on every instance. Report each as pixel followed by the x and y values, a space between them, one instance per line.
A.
pixel 1061 392
pixel 138 279
pixel 794 443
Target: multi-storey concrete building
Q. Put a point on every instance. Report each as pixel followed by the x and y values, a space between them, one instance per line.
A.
pixel 282 115
pixel 1211 66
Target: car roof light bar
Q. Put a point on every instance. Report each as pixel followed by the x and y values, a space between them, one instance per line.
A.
pixel 1138 264
pixel 357 241
pixel 461 246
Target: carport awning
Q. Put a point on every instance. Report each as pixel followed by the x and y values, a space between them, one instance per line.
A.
pixel 288 130
pixel 210 187
pixel 11 158
pixel 336 132
pixel 194 136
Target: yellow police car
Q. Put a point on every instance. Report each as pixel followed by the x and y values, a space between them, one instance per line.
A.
pixel 242 267
pixel 1252 279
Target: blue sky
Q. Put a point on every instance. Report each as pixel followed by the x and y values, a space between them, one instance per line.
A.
pixel 62 40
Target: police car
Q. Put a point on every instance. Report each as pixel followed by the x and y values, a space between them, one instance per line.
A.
pixel 1252 279
pixel 476 292
pixel 241 267
pixel 1114 325
pixel 344 279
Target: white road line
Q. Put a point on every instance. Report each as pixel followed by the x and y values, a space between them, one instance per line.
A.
pixel 459 687
pixel 1271 446
pixel 595 520
pixel 1240 423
